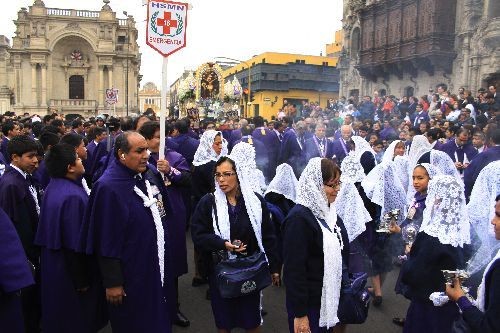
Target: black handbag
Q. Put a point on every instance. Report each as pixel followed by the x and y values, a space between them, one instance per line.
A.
pixel 243 275
pixel 354 299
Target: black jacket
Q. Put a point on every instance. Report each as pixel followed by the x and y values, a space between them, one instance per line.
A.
pixel 303 259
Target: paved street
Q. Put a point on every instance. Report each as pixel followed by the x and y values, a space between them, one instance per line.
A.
pixel 198 310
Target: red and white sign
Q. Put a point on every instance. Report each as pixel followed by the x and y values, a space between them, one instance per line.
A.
pixel 166 26
pixel 111 96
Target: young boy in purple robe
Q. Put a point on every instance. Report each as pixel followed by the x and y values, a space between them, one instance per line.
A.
pixel 20 201
pixel 125 227
pixel 15 274
pixel 76 304
pixel 176 175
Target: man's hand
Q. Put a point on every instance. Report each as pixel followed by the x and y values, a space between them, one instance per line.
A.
pixel 301 325
pixel 394 228
pixel 163 166
pixel 454 291
pixel 276 279
pixel 115 295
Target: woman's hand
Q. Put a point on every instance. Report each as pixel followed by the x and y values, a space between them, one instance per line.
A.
pixel 301 325
pixel 454 291
pixel 115 295
pixel 276 279
pixel 163 166
pixel 234 248
pixel 407 249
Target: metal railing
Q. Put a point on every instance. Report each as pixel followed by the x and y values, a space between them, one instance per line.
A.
pixel 74 103
pixel 72 12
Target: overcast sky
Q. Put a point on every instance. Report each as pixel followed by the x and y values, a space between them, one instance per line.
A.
pixel 232 28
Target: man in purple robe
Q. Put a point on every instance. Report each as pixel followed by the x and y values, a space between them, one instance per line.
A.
pixel 75 307
pixel 318 145
pixel 340 146
pixel 125 227
pixel 177 176
pixel 291 150
pixel 271 141
pixel 41 176
pixel 459 150
pixel 20 200
pixel 15 274
pixel 10 129
pixel 261 154
pixel 186 145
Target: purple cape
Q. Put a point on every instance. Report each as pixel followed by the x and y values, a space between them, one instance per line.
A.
pixel 177 215
pixel 61 217
pixel 15 274
pixel 117 225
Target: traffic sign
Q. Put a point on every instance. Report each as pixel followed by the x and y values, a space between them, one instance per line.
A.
pixel 166 26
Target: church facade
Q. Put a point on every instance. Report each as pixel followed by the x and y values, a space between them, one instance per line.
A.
pixel 406 47
pixel 63 60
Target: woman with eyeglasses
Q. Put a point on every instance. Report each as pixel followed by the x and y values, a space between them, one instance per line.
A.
pixel 315 247
pixel 234 219
pixel 212 146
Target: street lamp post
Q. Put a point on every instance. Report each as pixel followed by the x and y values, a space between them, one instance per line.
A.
pixel 249 82
pixel 128 50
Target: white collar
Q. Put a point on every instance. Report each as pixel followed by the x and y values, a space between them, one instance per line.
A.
pixel 24 174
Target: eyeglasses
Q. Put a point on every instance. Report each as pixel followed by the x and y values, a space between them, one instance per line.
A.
pixel 224 175
pixel 335 185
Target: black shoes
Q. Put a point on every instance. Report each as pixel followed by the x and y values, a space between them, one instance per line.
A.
pixel 198 281
pixel 181 320
pixel 399 321
pixel 377 300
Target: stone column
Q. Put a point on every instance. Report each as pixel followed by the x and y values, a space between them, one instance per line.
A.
pixel 44 85
pixel 101 85
pixel 110 77
pixel 33 85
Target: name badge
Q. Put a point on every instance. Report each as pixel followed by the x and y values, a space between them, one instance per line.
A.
pixel 160 206
pixel 411 213
pixel 262 131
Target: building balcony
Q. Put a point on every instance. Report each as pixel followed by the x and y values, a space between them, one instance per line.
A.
pixel 74 105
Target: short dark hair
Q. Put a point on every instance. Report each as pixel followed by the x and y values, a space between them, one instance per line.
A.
pixel 7 127
pixel 48 139
pixel 21 144
pixel 57 123
pixel 58 158
pixel 329 170
pixel 72 139
pixel 258 121
pixel 182 126
pixel 121 143
pixel 76 123
pixel 434 133
pixel 52 129
pixel 149 128
pixel 495 136
pixel 246 130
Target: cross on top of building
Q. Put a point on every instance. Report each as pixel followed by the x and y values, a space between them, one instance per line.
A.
pixel 166 23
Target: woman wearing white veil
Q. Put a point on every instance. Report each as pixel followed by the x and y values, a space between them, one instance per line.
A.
pixel 485 190
pixel 234 218
pixel 482 317
pixel 316 247
pixel 256 177
pixel 439 245
pixel 212 146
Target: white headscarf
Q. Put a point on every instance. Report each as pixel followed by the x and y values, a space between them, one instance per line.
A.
pixel 361 146
pixel 352 170
pixel 481 208
pixel 444 163
pixel 432 171
pixel 389 152
pixel 284 182
pixel 244 166
pixel 445 213
pixel 311 194
pixel 419 146
pixel 205 152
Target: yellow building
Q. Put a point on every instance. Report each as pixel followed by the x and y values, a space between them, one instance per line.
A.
pixel 150 97
pixel 334 49
pixel 279 77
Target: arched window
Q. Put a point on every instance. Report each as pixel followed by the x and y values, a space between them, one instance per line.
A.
pixel 355 42
pixel 76 87
pixel 409 91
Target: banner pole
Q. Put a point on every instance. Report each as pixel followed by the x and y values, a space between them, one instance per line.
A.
pixel 163 110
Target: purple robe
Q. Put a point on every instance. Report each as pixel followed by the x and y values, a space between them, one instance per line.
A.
pixel 15 275
pixel 41 176
pixel 179 179
pixel 291 152
pixel 187 146
pixel 476 165
pixel 273 145
pixel 118 226
pixel 235 136
pixel 3 150
pixel 60 220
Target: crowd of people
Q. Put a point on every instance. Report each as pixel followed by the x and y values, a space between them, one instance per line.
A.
pixel 93 216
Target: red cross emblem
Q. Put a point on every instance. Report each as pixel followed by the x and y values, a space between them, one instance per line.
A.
pixel 166 22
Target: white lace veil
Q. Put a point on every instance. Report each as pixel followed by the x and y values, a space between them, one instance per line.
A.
pixel 351 209
pixel 389 152
pixel 401 169
pixel 432 171
pixel 444 163
pixel 311 194
pixel 481 209
pixel 284 182
pixel 205 152
pixel 445 216
pixel 245 164
pixel 361 146
pixel 352 170
pixel 419 146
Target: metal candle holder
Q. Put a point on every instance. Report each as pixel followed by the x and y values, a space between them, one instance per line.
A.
pixel 388 219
